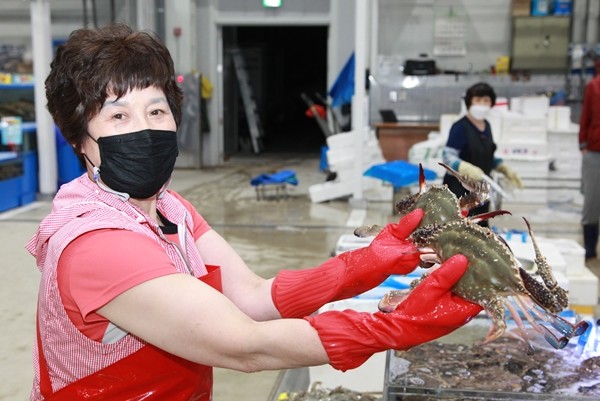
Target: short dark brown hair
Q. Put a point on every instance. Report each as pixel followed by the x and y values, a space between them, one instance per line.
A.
pixel 94 63
pixel 480 89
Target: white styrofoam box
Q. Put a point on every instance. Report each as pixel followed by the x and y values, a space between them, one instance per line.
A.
pixel 522 148
pixel 522 248
pixel 380 191
pixel 583 287
pixel 534 196
pixel 329 190
pixel 572 252
pixel 570 169
pixel 564 144
pixel 446 121
pixel 339 188
pixel 522 127
pixel 559 117
pixel 343 139
pixel 572 129
pixel 529 166
pixel 429 154
pixel 495 120
pixel 530 105
pixel 522 122
pixel 349 242
pixel 501 105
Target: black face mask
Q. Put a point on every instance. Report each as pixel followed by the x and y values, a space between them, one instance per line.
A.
pixel 138 163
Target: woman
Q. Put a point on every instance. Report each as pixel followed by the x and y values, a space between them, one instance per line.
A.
pixel 470 147
pixel 139 297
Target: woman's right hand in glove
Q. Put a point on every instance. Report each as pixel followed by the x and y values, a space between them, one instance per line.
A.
pixel 429 312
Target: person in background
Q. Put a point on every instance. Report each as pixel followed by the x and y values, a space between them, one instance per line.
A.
pixel 589 144
pixel 470 147
pixel 139 297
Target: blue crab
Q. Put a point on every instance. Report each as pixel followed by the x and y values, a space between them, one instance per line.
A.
pixel 494 274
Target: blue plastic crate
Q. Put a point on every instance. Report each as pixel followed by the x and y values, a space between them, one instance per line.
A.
pixel 69 166
pixel 11 193
pixel 399 173
pixel 30 172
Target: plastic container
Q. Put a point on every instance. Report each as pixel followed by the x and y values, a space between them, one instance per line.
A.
pixel 399 173
pixel 563 7
pixel 541 8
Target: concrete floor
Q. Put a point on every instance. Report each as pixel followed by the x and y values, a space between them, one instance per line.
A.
pixel 269 234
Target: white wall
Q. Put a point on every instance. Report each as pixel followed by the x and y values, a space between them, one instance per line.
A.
pixel 406 29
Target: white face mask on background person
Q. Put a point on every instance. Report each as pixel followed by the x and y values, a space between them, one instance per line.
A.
pixel 479 111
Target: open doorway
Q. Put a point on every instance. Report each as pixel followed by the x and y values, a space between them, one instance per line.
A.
pixel 281 62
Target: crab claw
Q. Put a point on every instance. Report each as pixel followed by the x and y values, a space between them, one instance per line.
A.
pixel 392 299
pixel 488 215
pixel 367 231
pixel 479 190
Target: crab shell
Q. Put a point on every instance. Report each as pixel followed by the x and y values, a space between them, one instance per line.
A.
pixel 494 274
pixel 493 271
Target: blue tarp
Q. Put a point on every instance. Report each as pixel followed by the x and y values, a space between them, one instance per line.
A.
pixel 399 173
pixel 280 177
pixel 342 90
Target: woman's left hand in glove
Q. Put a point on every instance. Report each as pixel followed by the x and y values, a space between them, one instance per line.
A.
pixel 298 293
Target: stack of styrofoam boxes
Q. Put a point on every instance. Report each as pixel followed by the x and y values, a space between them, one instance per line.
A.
pixel 523 144
pixel 584 288
pixel 567 260
pixel 522 248
pixel 341 158
pixel 563 146
pixel 429 154
pixel 563 143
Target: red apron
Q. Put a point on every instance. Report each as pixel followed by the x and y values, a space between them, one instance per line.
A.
pixel 148 374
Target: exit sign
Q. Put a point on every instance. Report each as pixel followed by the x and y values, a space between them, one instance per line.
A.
pixel 272 3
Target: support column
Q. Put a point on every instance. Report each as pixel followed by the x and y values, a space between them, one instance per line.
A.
pixel 42 56
pixel 359 120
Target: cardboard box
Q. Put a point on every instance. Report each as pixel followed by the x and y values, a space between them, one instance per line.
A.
pixel 521 8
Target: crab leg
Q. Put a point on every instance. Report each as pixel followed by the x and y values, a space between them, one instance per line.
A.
pixel 515 315
pixel 560 324
pixel 526 307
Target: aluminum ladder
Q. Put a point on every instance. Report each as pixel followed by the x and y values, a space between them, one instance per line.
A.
pixel 256 131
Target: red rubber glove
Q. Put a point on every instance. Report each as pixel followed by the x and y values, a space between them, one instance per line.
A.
pixel 298 293
pixel 429 312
